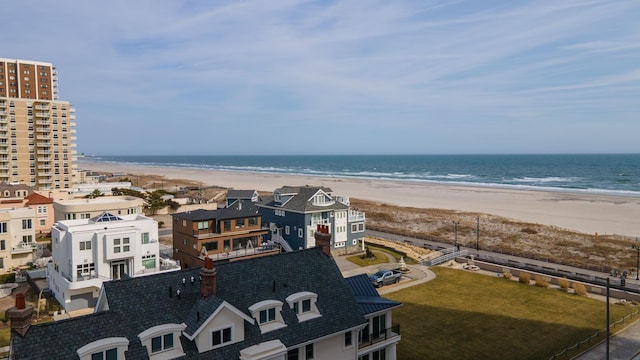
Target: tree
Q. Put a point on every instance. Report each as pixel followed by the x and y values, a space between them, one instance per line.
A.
pixel 155 201
pixel 94 194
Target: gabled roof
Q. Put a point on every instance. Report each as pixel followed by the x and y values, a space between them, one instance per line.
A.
pixel 239 209
pixel 37 199
pixel 301 199
pixel 367 296
pixel 139 303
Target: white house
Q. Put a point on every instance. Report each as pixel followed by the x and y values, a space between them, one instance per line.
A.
pixel 86 252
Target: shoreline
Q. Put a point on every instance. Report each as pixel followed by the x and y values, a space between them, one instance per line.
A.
pixel 579 211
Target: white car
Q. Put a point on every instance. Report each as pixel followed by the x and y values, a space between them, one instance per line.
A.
pixel 470 267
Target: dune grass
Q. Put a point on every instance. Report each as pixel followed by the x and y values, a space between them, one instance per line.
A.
pixel 463 315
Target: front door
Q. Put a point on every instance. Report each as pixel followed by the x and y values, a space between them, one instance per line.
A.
pixel 119 269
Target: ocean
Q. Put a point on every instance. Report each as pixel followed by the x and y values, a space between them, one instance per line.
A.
pixel 612 174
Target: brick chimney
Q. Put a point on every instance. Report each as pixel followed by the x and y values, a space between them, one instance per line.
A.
pixel 208 276
pixel 323 239
pixel 20 315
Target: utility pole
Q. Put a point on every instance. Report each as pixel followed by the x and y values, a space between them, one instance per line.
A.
pixel 608 332
pixel 455 227
pixel 477 232
pixel 637 248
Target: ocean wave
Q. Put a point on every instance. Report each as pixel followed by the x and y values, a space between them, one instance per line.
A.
pixel 548 179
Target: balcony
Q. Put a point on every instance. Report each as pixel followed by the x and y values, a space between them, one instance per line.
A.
pixel 390 335
pixel 44 144
pixel 355 215
pixel 42 107
pixel 44 181
pixel 2 112
pixel 42 137
pixel 42 159
pixel 42 114
pixel 43 129
pixel 24 247
pixel 42 122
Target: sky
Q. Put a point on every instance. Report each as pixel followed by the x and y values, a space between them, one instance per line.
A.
pixel 188 77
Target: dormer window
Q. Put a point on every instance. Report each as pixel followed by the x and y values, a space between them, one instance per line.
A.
pixel 163 341
pixel 104 349
pixel 268 314
pixel 319 199
pixel 304 305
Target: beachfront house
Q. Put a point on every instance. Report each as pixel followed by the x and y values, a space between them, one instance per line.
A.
pixel 251 309
pixel 236 195
pixel 17 237
pixel 87 252
pixel 230 232
pixel 293 213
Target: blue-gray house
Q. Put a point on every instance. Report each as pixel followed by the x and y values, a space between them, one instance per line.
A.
pixel 294 212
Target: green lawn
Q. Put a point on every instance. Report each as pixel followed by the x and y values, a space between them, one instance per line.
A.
pixel 463 315
pixel 379 258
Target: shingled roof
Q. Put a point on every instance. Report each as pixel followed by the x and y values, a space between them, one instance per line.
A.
pixel 137 304
pixel 300 199
pixel 239 209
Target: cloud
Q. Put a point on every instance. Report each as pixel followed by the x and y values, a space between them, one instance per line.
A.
pixel 366 70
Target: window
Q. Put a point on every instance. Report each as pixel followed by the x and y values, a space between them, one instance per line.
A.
pixel 145 237
pixel 43 222
pixel 42 209
pixel 359 227
pixel 239 223
pixel 304 305
pixel 3 227
pixel 1 263
pixel 221 337
pixel 3 245
pixel 286 229
pixel 121 245
pixel 83 270
pixel 379 355
pixel 227 225
pixel 26 224
pixel 161 343
pixel 85 245
pixel 27 239
pixel 149 261
pixel 203 225
pixel 111 354
pixel 293 354
pixel 348 341
pixel 308 352
pixel 300 232
pixel 253 221
pixel 267 315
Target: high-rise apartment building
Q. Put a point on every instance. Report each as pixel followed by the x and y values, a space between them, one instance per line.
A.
pixel 37 131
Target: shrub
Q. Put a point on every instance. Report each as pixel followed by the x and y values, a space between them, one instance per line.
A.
pixel 542 281
pixel 529 231
pixel 507 275
pixel 160 223
pixel 524 278
pixel 7 278
pixel 564 284
pixel 579 289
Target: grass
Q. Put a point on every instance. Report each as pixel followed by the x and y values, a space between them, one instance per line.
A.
pixel 379 258
pixel 465 315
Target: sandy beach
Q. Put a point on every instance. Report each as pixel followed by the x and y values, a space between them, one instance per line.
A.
pixel 588 213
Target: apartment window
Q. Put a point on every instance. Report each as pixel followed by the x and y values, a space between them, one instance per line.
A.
pixel 111 354
pixel 26 224
pixel 239 223
pixel 3 227
pixel 85 245
pixel 220 337
pixel 162 343
pixel 203 225
pixel 145 237
pixel 227 225
pixel 308 352
pixel 3 245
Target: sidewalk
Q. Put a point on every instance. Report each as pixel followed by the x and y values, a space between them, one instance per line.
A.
pixel 624 345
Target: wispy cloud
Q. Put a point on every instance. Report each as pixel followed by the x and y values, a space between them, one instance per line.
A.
pixel 379 76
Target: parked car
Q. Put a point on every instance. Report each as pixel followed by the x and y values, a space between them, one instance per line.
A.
pixel 385 277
